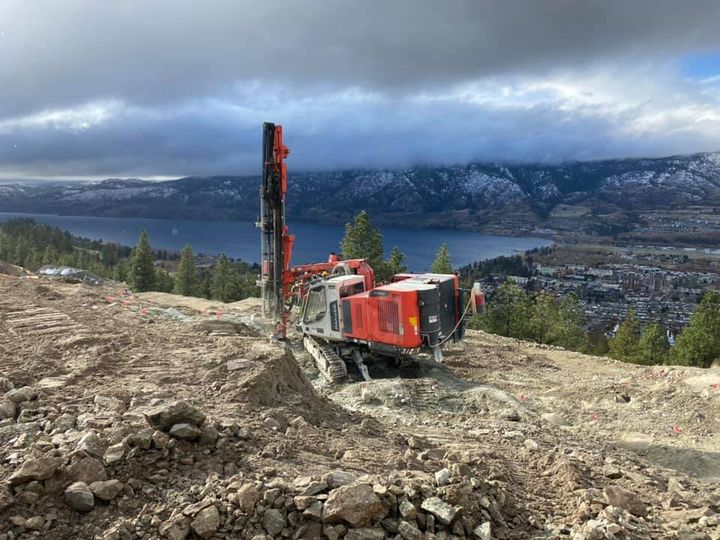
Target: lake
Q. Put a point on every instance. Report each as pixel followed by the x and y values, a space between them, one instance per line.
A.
pixel 314 242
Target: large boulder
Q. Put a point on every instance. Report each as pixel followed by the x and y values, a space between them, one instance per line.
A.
pixel 484 531
pixel 5 385
pixel 206 522
pixel 7 409
pixel 273 522
pixel 91 444
pixel 6 497
pixel 354 505
pixel 175 528
pixel 410 532
pixel 22 394
pixel 627 500
pixel 165 416
pixel 106 490
pixel 338 478
pixel 35 469
pixel 115 453
pixel 79 497
pixel 87 470
pixel 440 509
pixel 246 497
pixel 365 534
pixel 185 431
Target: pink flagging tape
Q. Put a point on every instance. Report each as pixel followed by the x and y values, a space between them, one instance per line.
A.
pixel 677 429
pixel 714 386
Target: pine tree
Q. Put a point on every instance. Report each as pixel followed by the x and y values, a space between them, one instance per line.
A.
pixel 141 274
pixel 186 282
pixel 206 286
pixel 441 264
pixel 396 262
pixel 508 313
pixel 50 255
pixel 363 241
pixel 544 318
pixel 164 282
pixel 699 342
pixel 624 346
pixel 225 284
pixel 120 273
pixel 570 332
pixel 653 346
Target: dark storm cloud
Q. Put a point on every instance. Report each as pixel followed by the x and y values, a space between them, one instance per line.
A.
pixel 66 52
pixel 182 85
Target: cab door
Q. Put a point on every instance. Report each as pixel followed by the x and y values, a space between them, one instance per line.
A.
pixel 321 314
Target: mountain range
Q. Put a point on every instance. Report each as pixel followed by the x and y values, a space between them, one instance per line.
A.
pixel 598 197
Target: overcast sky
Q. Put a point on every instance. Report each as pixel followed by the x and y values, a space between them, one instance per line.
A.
pixel 168 88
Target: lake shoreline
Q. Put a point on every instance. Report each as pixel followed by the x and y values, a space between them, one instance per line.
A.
pixel 240 239
pixel 379 223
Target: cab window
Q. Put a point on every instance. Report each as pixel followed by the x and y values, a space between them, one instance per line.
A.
pixel 316 305
pixel 349 290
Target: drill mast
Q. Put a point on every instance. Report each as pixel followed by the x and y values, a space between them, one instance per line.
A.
pixel 276 243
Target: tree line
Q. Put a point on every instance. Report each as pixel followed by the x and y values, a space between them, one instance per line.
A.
pixel 29 244
pixel 538 317
pixel 697 345
pixel 227 281
pixel 542 318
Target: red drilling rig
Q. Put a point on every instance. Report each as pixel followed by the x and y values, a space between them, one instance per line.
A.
pixel 344 315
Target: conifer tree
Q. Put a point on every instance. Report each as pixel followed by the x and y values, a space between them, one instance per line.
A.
pixel 699 342
pixel 186 282
pixel 164 282
pixel 206 286
pixel 225 284
pixel 624 346
pixel 653 346
pixel 544 318
pixel 50 255
pixel 141 274
pixel 441 264
pixel 396 262
pixel 363 241
pixel 570 332
pixel 508 313
pixel 120 273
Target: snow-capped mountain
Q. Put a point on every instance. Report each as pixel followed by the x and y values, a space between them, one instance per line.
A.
pixel 474 196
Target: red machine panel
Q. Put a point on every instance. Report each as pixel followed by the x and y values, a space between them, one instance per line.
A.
pixel 386 315
pixel 354 316
pixel 393 317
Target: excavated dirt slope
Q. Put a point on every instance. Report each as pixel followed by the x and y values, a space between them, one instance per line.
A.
pixel 153 416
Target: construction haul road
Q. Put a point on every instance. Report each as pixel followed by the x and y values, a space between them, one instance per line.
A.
pixel 156 416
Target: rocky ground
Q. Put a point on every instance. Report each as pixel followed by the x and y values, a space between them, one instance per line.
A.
pixel 153 416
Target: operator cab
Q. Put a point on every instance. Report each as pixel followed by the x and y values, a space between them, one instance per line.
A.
pixel 320 314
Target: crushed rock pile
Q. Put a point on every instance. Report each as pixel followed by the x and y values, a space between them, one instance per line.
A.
pixel 102 463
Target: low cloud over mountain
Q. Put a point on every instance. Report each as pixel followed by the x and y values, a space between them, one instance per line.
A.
pixel 173 88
